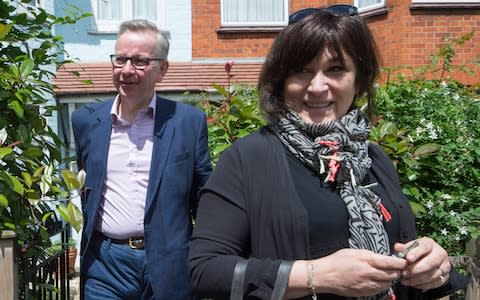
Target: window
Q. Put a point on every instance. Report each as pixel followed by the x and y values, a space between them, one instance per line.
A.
pixel 108 14
pixel 364 5
pixel 254 12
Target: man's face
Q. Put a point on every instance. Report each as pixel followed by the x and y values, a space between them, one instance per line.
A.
pixel 137 86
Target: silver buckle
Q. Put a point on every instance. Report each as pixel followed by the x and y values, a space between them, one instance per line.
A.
pixel 136 243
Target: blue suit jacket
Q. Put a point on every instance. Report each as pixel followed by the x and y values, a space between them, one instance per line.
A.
pixel 180 166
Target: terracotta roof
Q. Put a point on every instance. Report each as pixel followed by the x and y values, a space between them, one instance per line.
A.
pixel 96 78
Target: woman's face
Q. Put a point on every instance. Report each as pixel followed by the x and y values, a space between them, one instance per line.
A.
pixel 323 90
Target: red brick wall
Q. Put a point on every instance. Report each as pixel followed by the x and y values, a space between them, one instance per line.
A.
pixel 404 36
pixel 207 43
pixel 409 37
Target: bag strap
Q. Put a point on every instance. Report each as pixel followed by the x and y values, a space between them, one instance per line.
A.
pixel 282 280
pixel 236 293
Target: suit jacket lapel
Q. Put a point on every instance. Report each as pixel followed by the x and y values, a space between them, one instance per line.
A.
pixel 162 141
pixel 99 137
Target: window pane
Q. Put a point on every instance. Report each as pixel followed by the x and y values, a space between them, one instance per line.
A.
pixel 109 10
pixel 244 12
pixel 145 9
pixel 369 3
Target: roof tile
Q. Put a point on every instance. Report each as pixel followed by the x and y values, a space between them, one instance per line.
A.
pixel 96 78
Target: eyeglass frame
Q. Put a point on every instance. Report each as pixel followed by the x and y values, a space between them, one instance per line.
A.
pixel 131 59
pixel 337 10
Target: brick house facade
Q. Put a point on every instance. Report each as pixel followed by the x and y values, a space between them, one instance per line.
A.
pixel 407 32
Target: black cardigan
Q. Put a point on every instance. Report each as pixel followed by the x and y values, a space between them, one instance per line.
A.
pixel 249 208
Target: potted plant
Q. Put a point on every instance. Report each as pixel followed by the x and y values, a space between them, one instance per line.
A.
pixel 68 251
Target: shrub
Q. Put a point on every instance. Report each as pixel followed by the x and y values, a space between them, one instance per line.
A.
pixel 438 159
pixel 437 150
pixel 232 117
pixel 31 181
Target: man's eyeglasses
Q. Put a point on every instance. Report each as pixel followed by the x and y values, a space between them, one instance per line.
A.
pixel 338 10
pixel 139 63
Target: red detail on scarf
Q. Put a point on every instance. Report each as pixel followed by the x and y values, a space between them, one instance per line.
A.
pixel 330 144
pixel 385 213
pixel 333 164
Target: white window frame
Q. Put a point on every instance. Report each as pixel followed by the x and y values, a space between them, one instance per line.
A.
pixel 369 7
pixel 111 26
pixel 283 22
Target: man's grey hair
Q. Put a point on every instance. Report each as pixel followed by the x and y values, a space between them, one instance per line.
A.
pixel 139 25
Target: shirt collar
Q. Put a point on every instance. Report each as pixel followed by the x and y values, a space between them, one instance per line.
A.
pixel 115 115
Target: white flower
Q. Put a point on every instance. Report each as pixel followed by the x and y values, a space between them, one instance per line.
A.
pixel 457 238
pixel 81 178
pixel 429 204
pixel 452 213
pixel 463 230
pixel 3 136
pixel 446 196
pixel 433 135
pixel 430 126
pixel 444 231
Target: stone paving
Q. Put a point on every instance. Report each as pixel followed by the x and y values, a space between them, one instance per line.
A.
pixel 75 288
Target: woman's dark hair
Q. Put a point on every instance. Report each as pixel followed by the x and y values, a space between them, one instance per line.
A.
pixel 299 43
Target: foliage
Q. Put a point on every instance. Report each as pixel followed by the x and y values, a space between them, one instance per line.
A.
pixel 436 151
pixel 231 118
pixel 32 185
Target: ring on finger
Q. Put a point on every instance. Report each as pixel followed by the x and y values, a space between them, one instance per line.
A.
pixel 442 273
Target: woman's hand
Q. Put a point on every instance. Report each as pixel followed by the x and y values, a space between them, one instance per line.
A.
pixel 347 272
pixel 428 265
pixel 354 272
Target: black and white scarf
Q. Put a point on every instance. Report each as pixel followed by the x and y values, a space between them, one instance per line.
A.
pixel 338 152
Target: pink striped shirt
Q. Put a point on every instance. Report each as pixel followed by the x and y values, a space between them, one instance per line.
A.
pixel 128 167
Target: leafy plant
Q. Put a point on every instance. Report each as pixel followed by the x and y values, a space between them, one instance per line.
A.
pixel 32 184
pixel 437 149
pixel 232 117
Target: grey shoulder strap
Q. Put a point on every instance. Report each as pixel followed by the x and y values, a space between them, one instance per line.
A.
pixel 282 280
pixel 236 293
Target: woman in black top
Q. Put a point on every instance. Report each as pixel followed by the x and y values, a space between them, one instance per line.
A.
pixel 306 206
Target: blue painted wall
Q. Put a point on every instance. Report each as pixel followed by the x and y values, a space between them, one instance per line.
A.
pixel 84 44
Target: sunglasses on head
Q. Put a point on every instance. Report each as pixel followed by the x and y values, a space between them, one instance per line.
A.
pixel 338 10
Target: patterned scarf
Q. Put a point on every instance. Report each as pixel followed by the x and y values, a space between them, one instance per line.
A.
pixel 338 152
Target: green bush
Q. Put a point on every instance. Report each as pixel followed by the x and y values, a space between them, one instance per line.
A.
pixel 234 117
pixel 437 154
pixel 32 184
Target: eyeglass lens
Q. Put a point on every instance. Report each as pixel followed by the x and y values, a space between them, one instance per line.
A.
pixel 137 62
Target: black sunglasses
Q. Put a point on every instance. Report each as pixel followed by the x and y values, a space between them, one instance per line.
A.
pixel 338 10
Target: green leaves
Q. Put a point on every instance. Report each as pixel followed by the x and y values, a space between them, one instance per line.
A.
pixel 26 68
pixel 427 149
pixel 31 181
pixel 4 30
pixel 232 118
pixel 431 131
pixel 71 214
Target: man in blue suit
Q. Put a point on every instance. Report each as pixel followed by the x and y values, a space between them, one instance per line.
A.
pixel 146 159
